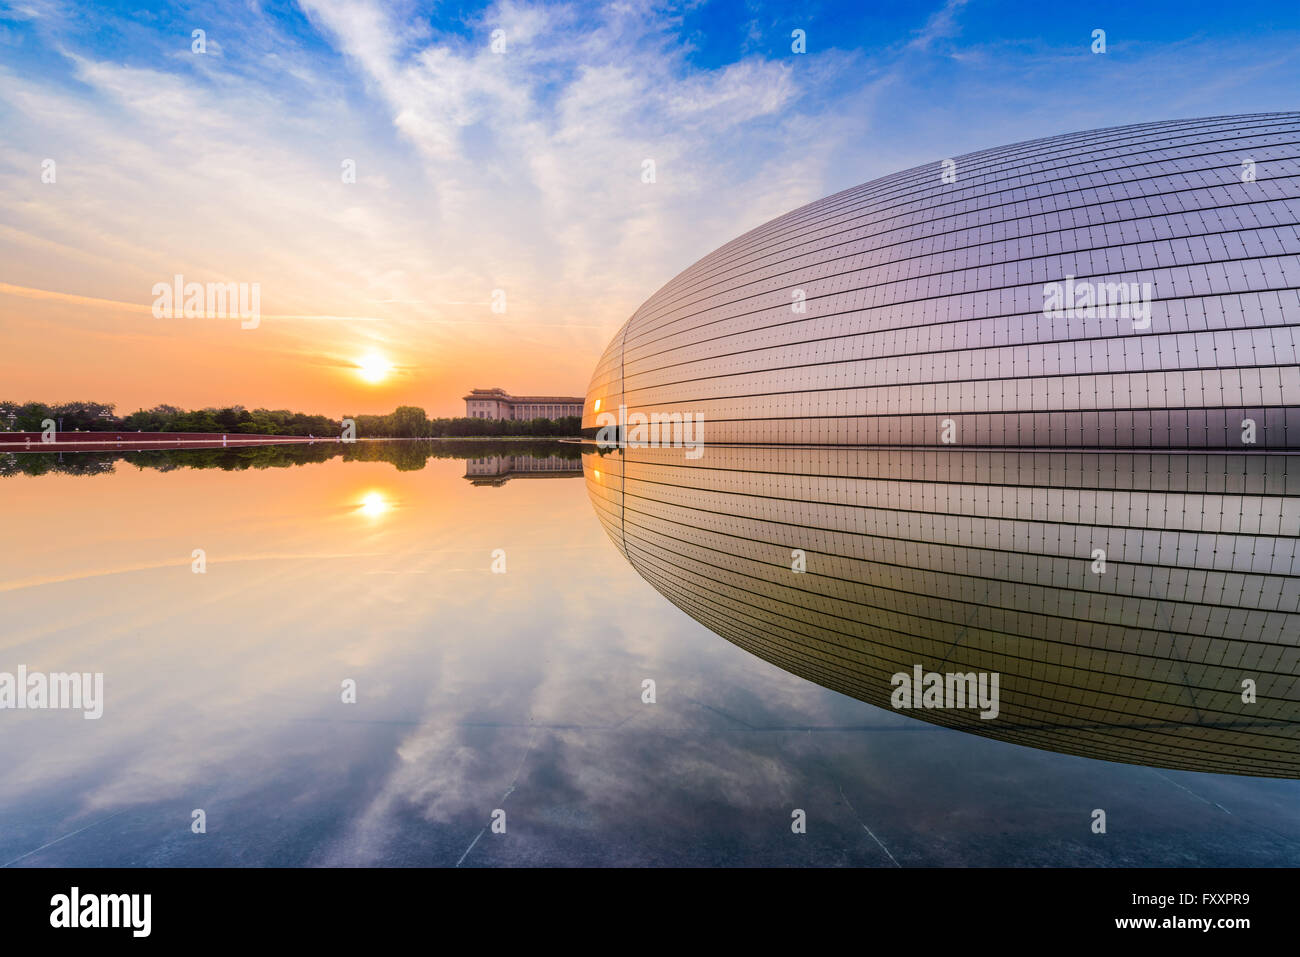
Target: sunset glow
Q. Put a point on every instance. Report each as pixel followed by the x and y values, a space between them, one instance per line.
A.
pixel 374 367
pixel 373 504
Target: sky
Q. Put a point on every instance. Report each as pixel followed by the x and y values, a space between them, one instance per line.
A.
pixel 500 227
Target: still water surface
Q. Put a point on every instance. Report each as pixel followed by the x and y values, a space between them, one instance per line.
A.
pixel 479 691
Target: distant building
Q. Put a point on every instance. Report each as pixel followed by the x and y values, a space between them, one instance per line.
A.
pixel 499 404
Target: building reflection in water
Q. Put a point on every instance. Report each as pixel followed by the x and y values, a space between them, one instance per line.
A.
pixel 499 469
pixel 987 561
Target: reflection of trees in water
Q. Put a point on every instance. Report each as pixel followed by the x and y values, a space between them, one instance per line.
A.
pixel 39 463
pixel 404 456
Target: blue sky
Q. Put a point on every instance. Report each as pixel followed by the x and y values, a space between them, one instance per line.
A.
pixel 519 170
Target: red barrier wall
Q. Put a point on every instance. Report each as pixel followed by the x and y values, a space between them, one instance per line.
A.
pixel 159 438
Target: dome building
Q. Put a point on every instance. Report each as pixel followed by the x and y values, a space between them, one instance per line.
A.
pixel 1133 287
pixel 1028 419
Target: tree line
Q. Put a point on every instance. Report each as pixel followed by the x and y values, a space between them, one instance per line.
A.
pixel 410 422
pixel 404 422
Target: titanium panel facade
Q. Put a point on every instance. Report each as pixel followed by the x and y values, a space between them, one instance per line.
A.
pixel 925 300
pixel 935 304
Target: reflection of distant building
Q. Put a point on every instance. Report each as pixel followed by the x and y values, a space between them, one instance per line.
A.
pixel 499 404
pixel 499 469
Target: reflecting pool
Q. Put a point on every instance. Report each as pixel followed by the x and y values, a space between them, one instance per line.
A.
pixel 498 647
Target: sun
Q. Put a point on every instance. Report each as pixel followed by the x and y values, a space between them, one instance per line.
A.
pixel 373 367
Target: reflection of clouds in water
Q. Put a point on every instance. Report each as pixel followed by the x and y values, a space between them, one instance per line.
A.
pixel 223 692
pixel 713 746
pixel 183 563
pixel 216 683
pixel 592 781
